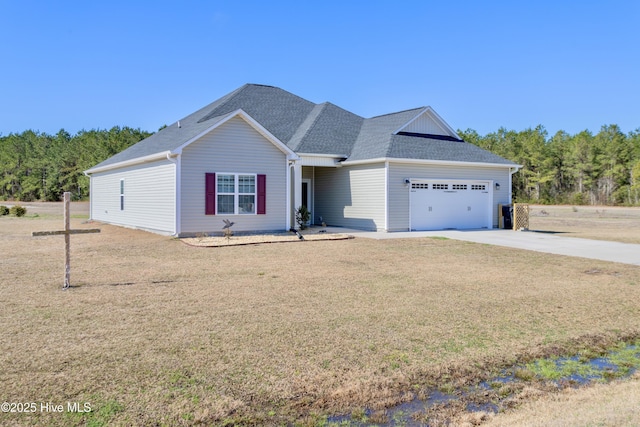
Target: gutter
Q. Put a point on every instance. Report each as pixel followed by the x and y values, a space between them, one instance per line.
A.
pixel 138 160
pixel 431 162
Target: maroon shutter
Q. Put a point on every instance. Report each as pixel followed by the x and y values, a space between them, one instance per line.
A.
pixel 262 194
pixel 210 193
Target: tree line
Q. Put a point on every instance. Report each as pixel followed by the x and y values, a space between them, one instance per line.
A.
pixel 577 169
pixel 38 166
pixel 600 169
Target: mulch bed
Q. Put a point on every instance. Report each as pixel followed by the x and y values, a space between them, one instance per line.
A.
pixel 258 239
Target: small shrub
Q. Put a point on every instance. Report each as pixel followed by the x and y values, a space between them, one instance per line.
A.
pixel 4 210
pixel 18 210
pixel 578 199
pixel 302 217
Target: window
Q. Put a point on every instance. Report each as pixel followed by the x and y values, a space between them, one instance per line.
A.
pixel 246 194
pixel 420 185
pixel 475 187
pixel 459 186
pixel 235 194
pixel 226 194
pixel 440 186
pixel 122 194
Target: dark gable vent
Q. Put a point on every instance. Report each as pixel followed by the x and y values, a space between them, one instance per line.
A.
pixel 430 136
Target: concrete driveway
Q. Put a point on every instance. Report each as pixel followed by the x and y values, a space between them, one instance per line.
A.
pixel 625 253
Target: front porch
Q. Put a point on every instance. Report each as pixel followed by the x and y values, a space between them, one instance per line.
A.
pixel 303 190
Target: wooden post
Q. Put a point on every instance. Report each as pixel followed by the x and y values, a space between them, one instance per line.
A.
pixel 67 238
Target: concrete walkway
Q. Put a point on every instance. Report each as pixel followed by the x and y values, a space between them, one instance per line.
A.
pixel 625 253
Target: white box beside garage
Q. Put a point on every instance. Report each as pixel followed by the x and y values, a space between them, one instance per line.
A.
pixel 438 204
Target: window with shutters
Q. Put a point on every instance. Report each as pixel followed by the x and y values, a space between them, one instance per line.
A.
pixel 235 194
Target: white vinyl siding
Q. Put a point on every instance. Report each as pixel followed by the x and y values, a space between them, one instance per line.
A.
pixel 399 190
pixel 426 125
pixel 307 172
pixel 233 148
pixel 351 196
pixel 140 196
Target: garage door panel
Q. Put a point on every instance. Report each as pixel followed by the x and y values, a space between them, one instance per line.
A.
pixel 439 204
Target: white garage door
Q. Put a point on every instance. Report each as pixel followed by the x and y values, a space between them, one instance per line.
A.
pixel 450 204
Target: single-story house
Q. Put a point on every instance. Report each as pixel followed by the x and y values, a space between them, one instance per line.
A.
pixel 259 152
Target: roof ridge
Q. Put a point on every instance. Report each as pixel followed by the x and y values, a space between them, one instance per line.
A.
pixel 329 103
pixel 306 126
pixel 220 102
pixel 261 85
pixel 399 112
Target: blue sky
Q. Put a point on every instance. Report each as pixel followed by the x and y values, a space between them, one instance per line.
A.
pixel 567 65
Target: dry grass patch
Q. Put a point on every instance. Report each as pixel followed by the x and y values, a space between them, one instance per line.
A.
pixel 616 404
pixel 267 334
pixel 588 222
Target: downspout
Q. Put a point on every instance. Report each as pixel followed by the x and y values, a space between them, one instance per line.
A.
pixel 313 193
pixel 90 196
pixel 511 172
pixel 386 196
pixel 175 159
pixel 288 190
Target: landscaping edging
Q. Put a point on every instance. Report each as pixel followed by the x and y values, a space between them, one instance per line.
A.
pixel 218 242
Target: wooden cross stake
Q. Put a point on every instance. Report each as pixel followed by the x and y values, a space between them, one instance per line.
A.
pixel 67 237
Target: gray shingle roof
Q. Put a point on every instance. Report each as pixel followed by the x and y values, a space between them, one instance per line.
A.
pixel 408 147
pixel 278 111
pixel 306 127
pixel 328 130
pixel 376 133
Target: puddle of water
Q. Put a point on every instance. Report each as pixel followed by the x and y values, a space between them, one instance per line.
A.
pixel 438 397
pixel 400 415
pixel 482 407
pixel 504 378
pixel 621 362
pixel 603 364
pixel 574 371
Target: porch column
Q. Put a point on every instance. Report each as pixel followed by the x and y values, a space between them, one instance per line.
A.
pixel 297 190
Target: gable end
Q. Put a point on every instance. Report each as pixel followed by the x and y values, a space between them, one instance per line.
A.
pixel 431 136
pixel 251 122
pixel 428 122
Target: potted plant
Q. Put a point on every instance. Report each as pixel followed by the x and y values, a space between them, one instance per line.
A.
pixel 302 217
